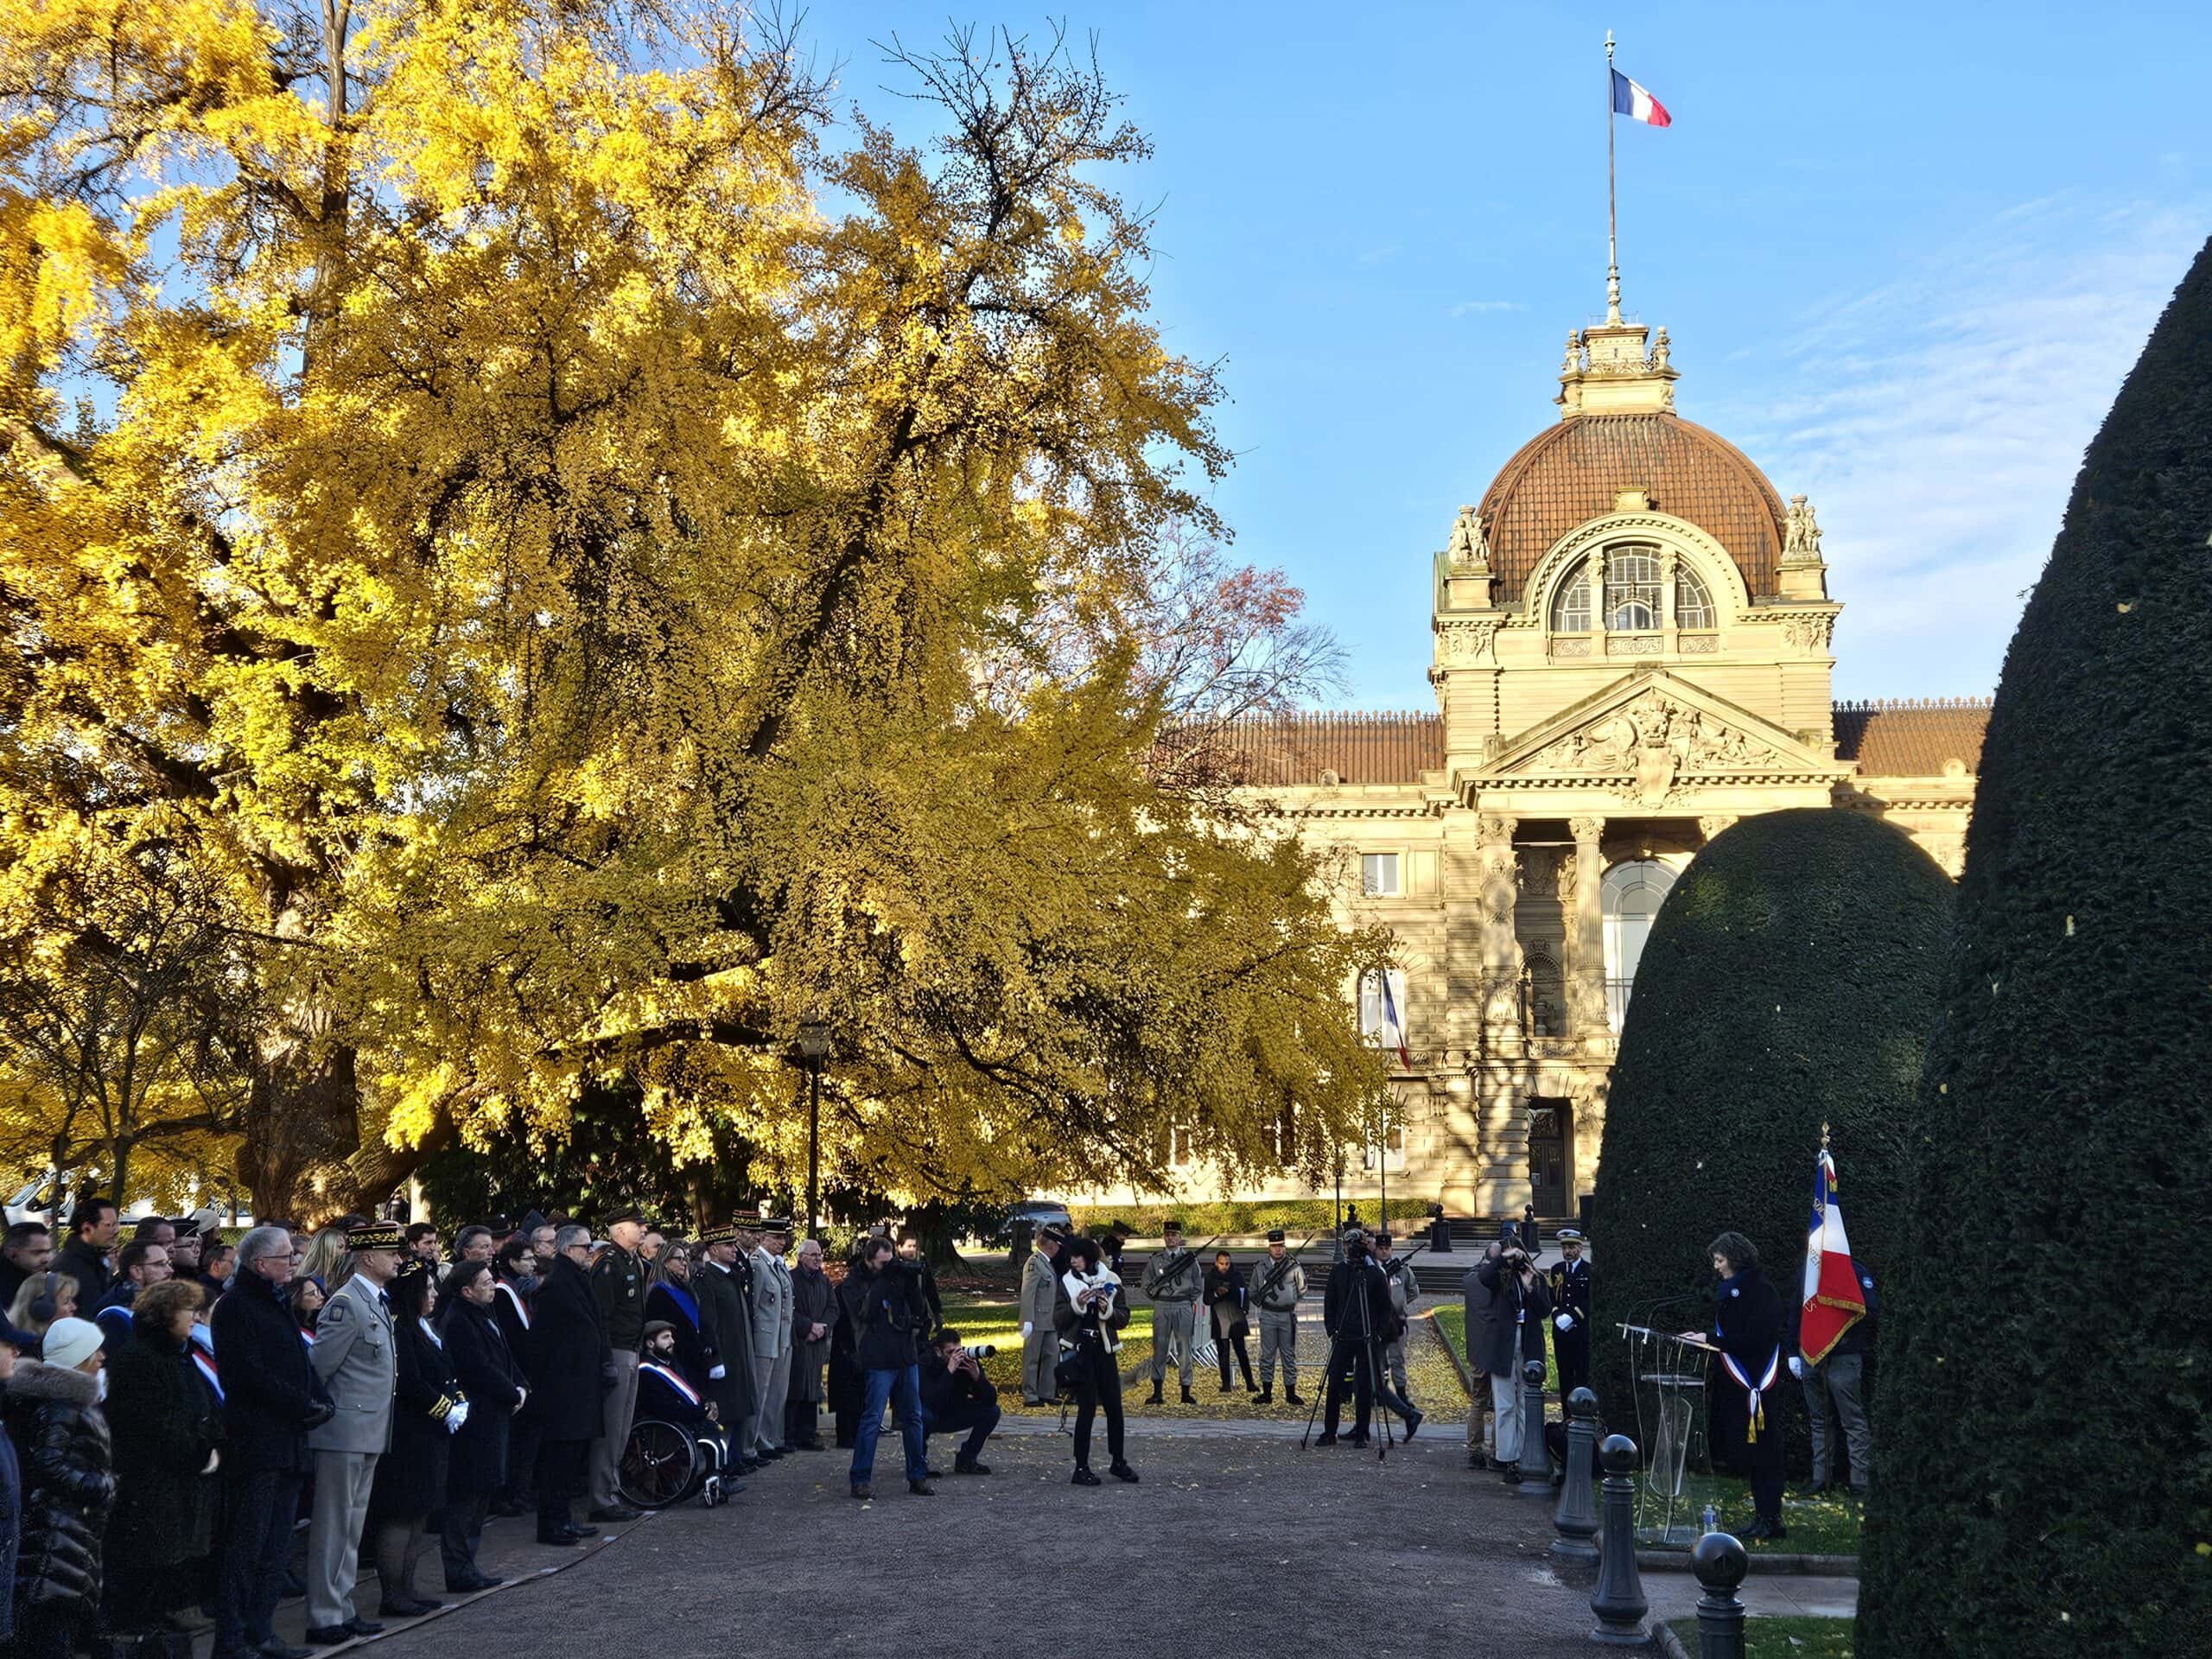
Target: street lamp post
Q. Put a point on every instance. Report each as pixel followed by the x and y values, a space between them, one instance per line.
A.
pixel 814 1045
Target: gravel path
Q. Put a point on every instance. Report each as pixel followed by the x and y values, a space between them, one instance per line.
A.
pixel 1232 1548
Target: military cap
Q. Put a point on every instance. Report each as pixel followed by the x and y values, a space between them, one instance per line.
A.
pixel 1171 1225
pixel 1120 1229
pixel 376 1236
pixel 725 1234
pixel 777 1224
pixel 1571 1235
pixel 1382 1238
pixel 413 1268
pixel 623 1213
pixel 1054 1230
pixel 1274 1235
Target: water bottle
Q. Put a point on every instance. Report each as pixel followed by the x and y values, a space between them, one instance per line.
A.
pixel 1710 1519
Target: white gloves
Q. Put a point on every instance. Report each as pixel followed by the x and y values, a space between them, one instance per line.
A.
pixel 1797 1367
pixel 1025 1329
pixel 457 1417
pixel 718 1373
pixel 214 1459
pixel 1565 1322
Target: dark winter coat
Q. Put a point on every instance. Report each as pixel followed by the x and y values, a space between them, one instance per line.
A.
pixel 696 1354
pixel 1351 1282
pixel 272 1394
pixel 814 1301
pixel 410 1477
pixel 725 1321
pixel 1498 1304
pixel 1224 1294
pixel 90 1269
pixel 889 1316
pixel 569 1357
pixel 61 1440
pixel 11 1520
pixel 164 1420
pixel 492 1377
pixel 1746 1326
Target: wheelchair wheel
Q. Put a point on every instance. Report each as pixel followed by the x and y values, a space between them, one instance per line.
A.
pixel 662 1464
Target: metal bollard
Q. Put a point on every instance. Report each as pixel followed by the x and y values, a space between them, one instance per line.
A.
pixel 1618 1599
pixel 1538 1482
pixel 1576 1518
pixel 1720 1563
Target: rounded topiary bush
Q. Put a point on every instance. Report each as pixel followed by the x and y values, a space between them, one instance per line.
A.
pixel 1789 980
pixel 2043 1472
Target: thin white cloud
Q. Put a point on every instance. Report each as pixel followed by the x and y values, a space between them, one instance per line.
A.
pixel 1483 308
pixel 1938 422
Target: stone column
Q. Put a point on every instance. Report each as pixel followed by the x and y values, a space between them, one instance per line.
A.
pixel 1586 931
pixel 1499 896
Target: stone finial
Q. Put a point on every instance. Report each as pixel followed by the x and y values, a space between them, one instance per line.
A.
pixel 1573 362
pixel 1660 348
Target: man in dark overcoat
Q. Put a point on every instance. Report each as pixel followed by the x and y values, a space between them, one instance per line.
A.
pixel 568 1363
pixel 725 1320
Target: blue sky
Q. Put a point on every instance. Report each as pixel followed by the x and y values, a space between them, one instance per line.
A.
pixel 1905 255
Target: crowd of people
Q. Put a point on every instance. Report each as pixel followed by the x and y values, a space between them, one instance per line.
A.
pixel 178 1407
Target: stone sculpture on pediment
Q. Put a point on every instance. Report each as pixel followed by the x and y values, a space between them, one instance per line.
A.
pixel 1632 739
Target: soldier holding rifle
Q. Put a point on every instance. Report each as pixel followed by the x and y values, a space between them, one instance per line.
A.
pixel 1171 1282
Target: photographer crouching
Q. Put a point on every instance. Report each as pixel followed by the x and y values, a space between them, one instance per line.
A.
pixel 957 1396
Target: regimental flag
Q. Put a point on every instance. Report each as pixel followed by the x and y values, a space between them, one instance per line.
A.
pixel 1397 1026
pixel 1834 1300
pixel 1632 101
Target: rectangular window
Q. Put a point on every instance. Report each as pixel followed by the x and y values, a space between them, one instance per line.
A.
pixel 1378 875
pixel 1375 1010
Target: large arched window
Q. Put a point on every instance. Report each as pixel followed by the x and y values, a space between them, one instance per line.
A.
pixel 1629 900
pixel 1634 580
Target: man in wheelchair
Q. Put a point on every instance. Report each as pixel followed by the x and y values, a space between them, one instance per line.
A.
pixel 666 1395
pixel 955 1398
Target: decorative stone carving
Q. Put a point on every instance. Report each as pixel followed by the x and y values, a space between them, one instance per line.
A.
pixel 1563 876
pixel 1590 831
pixel 1808 631
pixel 1495 829
pixel 1571 645
pixel 1632 644
pixel 1469 547
pixel 1698 644
pixel 1461 643
pixel 1712 824
pixel 1801 532
pixel 1655 723
pixel 1572 364
pixel 1660 348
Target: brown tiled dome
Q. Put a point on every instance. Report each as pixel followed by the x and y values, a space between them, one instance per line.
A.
pixel 1570 473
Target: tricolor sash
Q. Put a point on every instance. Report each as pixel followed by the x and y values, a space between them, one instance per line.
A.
pixel 1757 1411
pixel 207 1369
pixel 672 1380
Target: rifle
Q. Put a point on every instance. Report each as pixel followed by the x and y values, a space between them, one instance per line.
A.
pixel 1177 1264
pixel 1276 1270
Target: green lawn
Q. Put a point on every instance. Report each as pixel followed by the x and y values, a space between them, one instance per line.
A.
pixel 1782 1638
pixel 995 1319
pixel 1826 1525
pixel 1452 1317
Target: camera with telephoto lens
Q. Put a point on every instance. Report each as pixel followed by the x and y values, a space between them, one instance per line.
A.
pixel 978 1351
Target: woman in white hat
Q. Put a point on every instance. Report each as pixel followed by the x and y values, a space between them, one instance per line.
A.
pixel 54 1412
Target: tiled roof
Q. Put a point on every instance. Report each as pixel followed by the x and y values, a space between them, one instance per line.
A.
pixel 1359 748
pixel 1911 738
pixel 1570 473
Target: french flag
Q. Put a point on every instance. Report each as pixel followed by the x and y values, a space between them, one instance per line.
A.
pixel 1397 1028
pixel 1632 101
pixel 1833 1301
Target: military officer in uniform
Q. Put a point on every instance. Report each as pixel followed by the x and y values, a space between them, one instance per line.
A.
pixel 1570 1288
pixel 617 1279
pixel 728 1317
pixel 1040 1343
pixel 1405 1291
pixel 1278 1285
pixel 354 1356
pixel 1172 1281
pixel 772 1335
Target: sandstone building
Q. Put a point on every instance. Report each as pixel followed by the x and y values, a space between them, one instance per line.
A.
pixel 1630 638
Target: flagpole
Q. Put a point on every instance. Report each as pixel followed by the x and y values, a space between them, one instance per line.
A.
pixel 1612 245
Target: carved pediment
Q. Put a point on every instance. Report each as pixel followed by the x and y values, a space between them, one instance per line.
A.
pixel 1651 734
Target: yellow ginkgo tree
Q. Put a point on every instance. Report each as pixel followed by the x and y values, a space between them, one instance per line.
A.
pixel 590 578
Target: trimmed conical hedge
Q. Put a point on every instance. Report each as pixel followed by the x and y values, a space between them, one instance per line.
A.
pixel 1790 979
pixel 2043 1460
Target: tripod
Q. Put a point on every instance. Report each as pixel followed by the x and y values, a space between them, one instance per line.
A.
pixel 1366 1377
